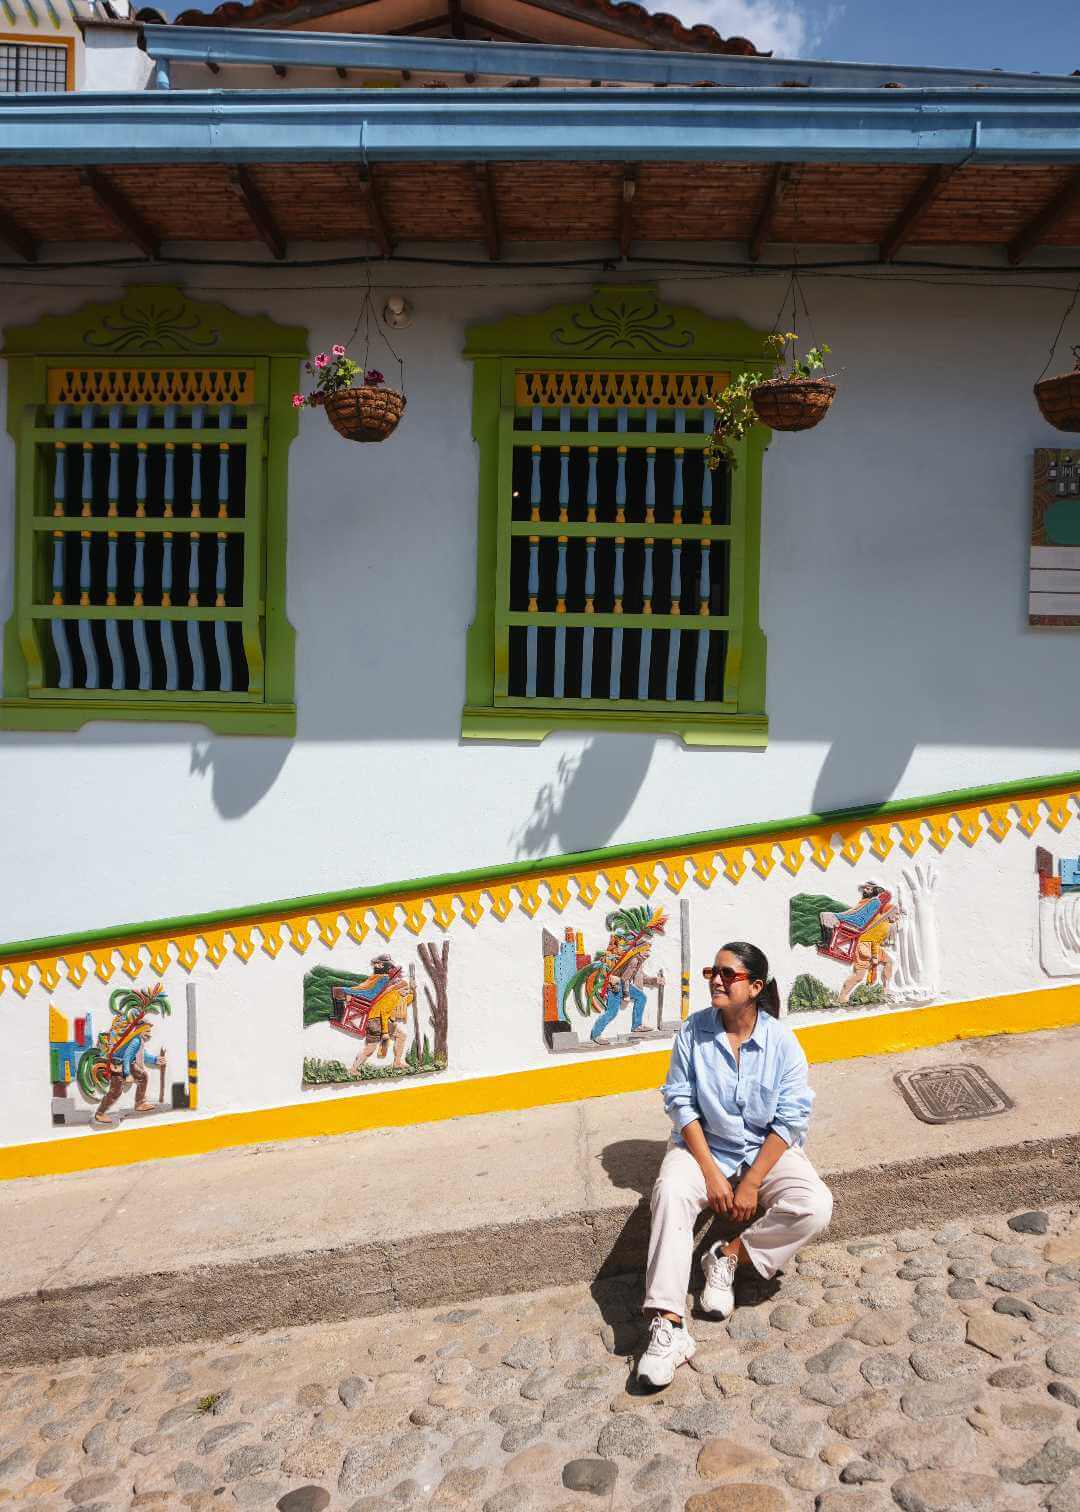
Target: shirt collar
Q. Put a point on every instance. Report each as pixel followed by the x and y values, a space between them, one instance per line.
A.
pixel 757 1036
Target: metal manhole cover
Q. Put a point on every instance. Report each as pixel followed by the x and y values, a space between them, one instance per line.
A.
pixel 947 1094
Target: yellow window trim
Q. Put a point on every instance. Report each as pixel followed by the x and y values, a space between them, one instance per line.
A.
pixel 31 39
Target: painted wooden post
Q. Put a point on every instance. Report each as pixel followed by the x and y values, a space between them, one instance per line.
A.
pixel 531 633
pixel 674 636
pixel 168 639
pixel 706 481
pixel 615 680
pixel 142 646
pixel 221 629
pixel 60 628
pixel 704 590
pixel 587 634
pixel 112 630
pixel 645 655
pixel 92 674
pixel 192 1048
pixel 684 945
pixel 194 629
pixel 679 455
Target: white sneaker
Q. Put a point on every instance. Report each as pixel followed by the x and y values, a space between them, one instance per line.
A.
pixel 669 1345
pixel 718 1293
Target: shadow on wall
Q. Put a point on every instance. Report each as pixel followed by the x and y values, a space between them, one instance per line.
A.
pixel 878 749
pixel 241 772
pixel 589 797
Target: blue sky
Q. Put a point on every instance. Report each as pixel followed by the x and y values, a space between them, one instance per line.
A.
pixel 1041 36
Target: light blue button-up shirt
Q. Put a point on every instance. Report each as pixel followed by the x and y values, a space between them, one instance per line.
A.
pixel 738 1102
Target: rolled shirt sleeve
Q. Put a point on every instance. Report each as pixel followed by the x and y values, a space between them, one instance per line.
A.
pixel 680 1089
pixel 792 1117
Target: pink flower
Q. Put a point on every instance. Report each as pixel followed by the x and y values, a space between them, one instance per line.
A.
pixel 298 401
pixel 338 351
pixel 373 376
pixel 322 360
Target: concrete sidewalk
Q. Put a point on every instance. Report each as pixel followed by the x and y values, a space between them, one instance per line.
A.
pixel 331 1228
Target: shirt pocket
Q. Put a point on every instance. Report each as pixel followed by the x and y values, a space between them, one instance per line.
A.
pixel 762 1098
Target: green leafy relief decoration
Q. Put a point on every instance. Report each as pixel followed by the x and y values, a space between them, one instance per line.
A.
pixel 636 324
pixel 619 321
pixel 159 325
pixel 154 320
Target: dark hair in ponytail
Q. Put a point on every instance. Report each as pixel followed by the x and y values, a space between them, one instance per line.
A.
pixel 757 964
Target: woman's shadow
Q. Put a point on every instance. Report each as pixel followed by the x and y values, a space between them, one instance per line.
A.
pixel 619 1288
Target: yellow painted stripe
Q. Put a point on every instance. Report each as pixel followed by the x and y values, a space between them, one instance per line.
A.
pixel 885 1034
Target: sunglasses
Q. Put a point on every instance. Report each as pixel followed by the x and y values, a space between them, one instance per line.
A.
pixel 725 973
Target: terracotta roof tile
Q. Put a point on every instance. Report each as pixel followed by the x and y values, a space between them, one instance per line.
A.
pixel 699 38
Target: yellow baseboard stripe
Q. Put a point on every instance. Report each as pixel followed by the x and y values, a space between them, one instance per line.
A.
pixel 883 1034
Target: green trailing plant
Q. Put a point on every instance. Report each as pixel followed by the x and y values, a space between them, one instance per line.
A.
pixel 733 406
pixel 735 415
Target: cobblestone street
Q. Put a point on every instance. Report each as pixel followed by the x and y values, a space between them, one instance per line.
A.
pixel 927 1370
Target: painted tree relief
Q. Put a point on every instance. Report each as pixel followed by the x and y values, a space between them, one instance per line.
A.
pixel 123 1073
pixel 885 941
pixel 600 1000
pixel 379 1011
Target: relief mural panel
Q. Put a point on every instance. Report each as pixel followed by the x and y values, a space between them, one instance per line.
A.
pixel 122 1073
pixel 380 1012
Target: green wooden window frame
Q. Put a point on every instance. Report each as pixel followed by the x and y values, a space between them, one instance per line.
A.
pixel 138 345
pixel 619 329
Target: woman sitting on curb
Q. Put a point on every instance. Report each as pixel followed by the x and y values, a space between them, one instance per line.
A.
pixel 737 1095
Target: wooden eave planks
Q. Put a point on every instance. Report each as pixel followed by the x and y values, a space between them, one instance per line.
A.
pixel 549 202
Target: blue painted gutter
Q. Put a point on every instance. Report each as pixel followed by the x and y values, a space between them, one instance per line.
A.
pixel 679 125
pixel 233 46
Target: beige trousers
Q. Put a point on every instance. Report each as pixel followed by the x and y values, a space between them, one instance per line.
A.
pixel 795 1202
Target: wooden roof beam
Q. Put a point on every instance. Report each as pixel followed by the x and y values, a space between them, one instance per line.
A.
pixel 774 192
pixel 259 213
pixel 457 20
pixel 19 240
pixel 417 28
pixel 1035 231
pixel 380 231
pixel 496 28
pixel 904 225
pixel 485 193
pixel 626 208
pixel 120 211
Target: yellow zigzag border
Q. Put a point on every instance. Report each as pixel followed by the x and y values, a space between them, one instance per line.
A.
pixel 416 911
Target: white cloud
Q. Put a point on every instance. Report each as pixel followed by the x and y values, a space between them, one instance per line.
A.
pixel 778 26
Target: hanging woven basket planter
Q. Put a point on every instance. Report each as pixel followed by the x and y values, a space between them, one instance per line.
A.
pixel 365 413
pixel 359 403
pixel 1059 398
pixel 792 404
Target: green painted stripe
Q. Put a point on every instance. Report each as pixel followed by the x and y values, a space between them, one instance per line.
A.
pixel 454 881
pixel 129 612
pixel 142 524
pixel 606 530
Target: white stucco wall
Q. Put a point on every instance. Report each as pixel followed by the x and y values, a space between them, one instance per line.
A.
pixel 893 597
pixel 252 1042
pixel 112 60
